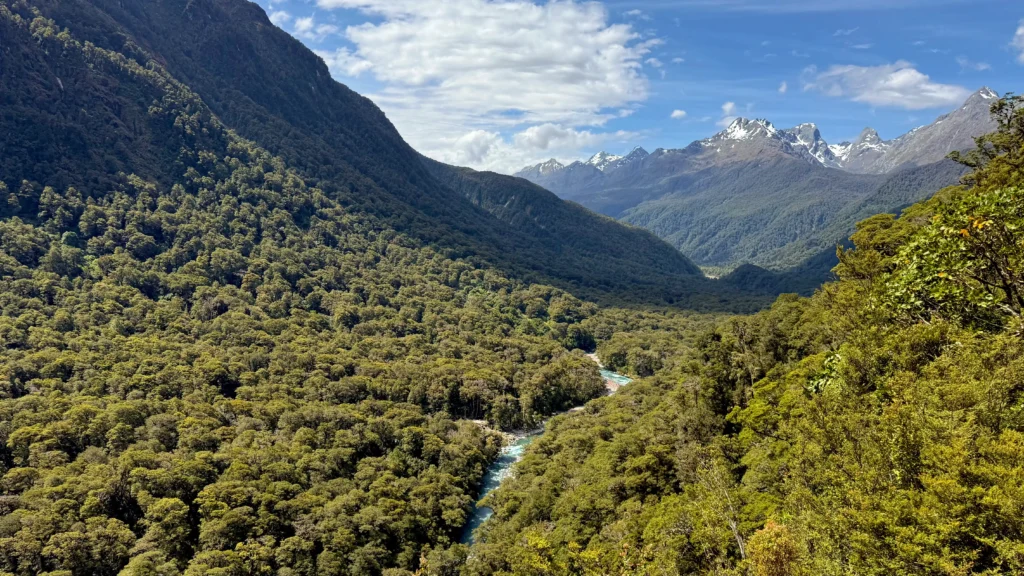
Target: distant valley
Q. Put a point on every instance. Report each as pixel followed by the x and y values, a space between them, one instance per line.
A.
pixel 779 199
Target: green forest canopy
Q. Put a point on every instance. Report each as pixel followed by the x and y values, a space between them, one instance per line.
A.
pixel 229 370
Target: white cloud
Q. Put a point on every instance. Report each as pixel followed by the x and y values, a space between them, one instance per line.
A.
pixel 728 114
pixel 473 147
pixel 487 150
pixel 897 85
pixel 636 14
pixel 678 114
pixel 783 88
pixel 304 25
pixel 968 64
pixel 552 136
pixel 342 62
pixel 845 32
pixel 862 46
pixel 450 70
pixel 678 60
pixel 307 29
pixel 280 18
pixel 1018 42
pixel 797 6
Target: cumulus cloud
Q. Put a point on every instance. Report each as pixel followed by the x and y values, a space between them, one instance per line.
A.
pixel 784 87
pixel 488 150
pixel 280 18
pixel 552 136
pixel 473 147
pixel 342 62
pixel 897 85
pixel 307 29
pixel 845 32
pixel 1018 42
pixel 450 70
pixel 678 114
pixel 728 114
pixel 678 60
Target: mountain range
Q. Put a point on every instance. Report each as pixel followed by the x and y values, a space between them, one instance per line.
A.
pixel 758 194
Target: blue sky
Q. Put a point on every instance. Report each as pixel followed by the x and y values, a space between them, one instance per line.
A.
pixel 499 84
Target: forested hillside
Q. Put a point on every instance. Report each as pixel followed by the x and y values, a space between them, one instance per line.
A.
pixel 66 124
pixel 527 207
pixel 874 428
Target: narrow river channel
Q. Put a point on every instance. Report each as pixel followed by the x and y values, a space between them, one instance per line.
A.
pixel 513 453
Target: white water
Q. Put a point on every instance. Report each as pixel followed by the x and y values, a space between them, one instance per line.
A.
pixel 510 455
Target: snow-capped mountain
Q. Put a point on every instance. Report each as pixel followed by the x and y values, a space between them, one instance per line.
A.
pixel 541 170
pixel 766 195
pixel 803 141
pixel 867 154
pixel 744 129
pixel 841 151
pixel 602 160
pixel 808 137
pixel 550 166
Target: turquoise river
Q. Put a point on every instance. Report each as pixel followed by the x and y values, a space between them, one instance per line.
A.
pixel 510 455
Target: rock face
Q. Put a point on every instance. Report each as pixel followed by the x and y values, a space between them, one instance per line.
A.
pixel 932 143
pixel 865 153
pixel 808 136
pixel 757 193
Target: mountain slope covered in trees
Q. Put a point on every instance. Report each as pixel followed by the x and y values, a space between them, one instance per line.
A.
pixel 69 126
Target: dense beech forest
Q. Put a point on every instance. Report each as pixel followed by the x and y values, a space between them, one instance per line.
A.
pixel 252 333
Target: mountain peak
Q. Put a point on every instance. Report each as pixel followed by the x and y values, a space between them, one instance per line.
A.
pixel 745 129
pixel 806 136
pixel 987 93
pixel 984 96
pixel 602 160
pixel 637 152
pixel 868 136
pixel 550 166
